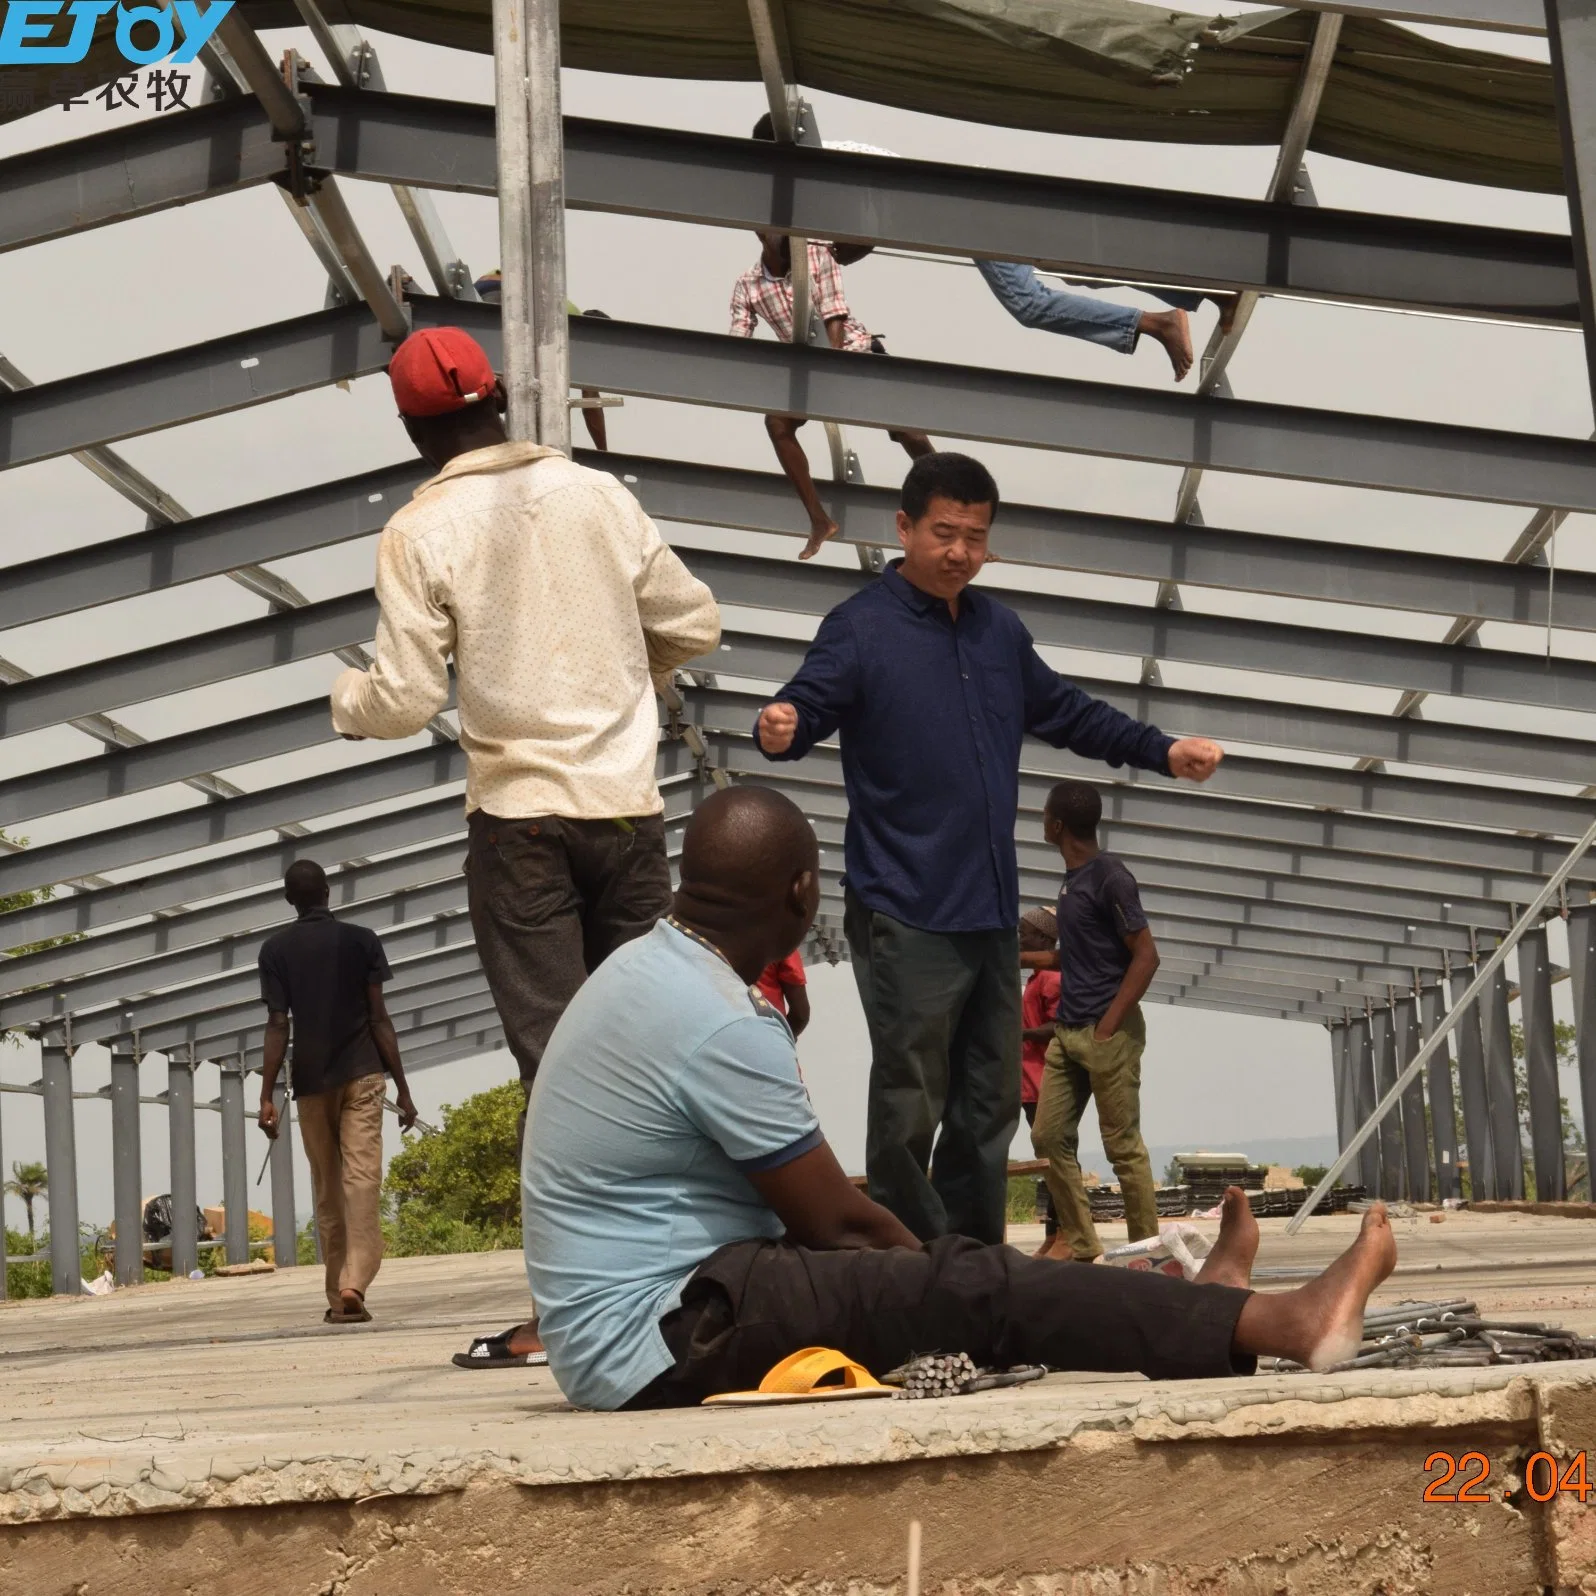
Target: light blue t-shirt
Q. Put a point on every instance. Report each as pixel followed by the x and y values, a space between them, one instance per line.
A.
pixel 666 1080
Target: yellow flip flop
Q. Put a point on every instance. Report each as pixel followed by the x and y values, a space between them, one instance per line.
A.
pixel 797 1379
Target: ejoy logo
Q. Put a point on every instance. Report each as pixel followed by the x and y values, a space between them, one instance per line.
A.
pixel 30 21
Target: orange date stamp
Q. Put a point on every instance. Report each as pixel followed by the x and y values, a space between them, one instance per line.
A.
pixel 1463 1479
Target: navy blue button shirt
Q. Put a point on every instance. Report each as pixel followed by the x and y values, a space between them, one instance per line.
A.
pixel 931 713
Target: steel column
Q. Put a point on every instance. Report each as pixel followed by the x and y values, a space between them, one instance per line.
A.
pixel 1364 1097
pixel 235 1176
pixel 285 1226
pixel 61 1161
pixel 546 214
pixel 1392 1173
pixel 127 1177
pixel 1473 1092
pixel 5 1267
pixel 1582 978
pixel 1571 33
pixel 1497 1036
pixel 1415 1143
pixel 1540 1065
pixel 1341 1074
pixel 513 121
pixel 1443 1118
pixel 180 1130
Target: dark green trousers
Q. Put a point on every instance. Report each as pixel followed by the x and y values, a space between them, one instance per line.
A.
pixel 944 1019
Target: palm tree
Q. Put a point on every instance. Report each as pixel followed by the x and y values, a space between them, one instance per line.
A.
pixel 32 1181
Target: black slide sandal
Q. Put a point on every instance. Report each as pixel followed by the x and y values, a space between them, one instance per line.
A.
pixel 493 1352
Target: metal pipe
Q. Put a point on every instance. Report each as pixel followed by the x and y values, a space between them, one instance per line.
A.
pixel 235 1176
pixel 546 175
pixel 127 1179
pixel 1502 1090
pixel 1492 965
pixel 1582 978
pixel 180 1130
pixel 285 1226
pixel 1443 1118
pixel 514 138
pixel 1475 1099
pixel 61 1162
pixel 1540 1066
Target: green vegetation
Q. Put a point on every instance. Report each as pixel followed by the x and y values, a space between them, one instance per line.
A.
pixel 30 1182
pixel 460 1190
pixel 1022 1200
pixel 33 1279
pixel 1311 1174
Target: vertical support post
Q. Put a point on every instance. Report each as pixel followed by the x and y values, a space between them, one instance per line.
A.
pixel 1364 1098
pixel 285 1233
pixel 1471 1088
pixel 127 1172
pixel 5 1264
pixel 514 148
pixel 235 1177
pixel 1497 1036
pixel 1443 1113
pixel 1571 33
pixel 61 1161
pixel 1582 977
pixel 1540 1062
pixel 180 1131
pixel 551 326
pixel 1415 1143
pixel 1341 1077
pixel 1383 1030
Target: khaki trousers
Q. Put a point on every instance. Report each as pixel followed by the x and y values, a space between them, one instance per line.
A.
pixel 1078 1069
pixel 342 1132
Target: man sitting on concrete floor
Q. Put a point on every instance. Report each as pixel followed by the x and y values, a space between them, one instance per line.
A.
pixel 328 976
pixel 1107 959
pixel 687 1226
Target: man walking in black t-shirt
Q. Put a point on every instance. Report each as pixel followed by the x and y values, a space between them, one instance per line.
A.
pixel 1107 960
pixel 328 977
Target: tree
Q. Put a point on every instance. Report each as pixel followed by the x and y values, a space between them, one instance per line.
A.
pixel 30 1182
pixel 9 904
pixel 460 1190
pixel 1311 1174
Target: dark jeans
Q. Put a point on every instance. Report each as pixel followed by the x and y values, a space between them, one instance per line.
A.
pixel 944 1018
pixel 753 1303
pixel 550 900
pixel 1050 1213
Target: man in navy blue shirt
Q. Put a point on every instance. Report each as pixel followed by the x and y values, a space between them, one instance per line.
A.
pixel 932 686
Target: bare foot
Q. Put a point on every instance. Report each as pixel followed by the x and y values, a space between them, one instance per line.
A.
pixel 1230 1262
pixel 1226 305
pixel 525 1339
pixel 1321 1324
pixel 1172 328
pixel 820 534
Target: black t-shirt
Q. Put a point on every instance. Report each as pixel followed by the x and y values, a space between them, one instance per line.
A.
pixel 317 970
pixel 1098 908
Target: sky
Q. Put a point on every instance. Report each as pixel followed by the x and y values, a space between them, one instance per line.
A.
pixel 228 264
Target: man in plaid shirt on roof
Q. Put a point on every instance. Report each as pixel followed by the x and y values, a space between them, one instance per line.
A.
pixel 764 294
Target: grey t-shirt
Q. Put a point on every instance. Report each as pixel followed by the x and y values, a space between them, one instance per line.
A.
pixel 1098 908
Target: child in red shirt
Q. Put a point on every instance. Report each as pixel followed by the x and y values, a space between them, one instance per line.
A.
pixel 1038 1006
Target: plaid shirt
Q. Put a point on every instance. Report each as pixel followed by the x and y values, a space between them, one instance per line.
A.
pixel 760 297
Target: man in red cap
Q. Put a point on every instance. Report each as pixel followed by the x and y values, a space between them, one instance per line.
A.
pixel 562 608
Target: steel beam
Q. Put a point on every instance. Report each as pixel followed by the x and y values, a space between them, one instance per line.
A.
pixel 1108 419
pixel 1571 34
pixel 1496 1036
pixel 1392 1170
pixel 1415 1140
pixel 1342 1084
pixel 61 1163
pixel 235 1176
pixel 180 1130
pixel 1582 978
pixel 1443 1113
pixel 126 1165
pixel 1365 1096
pixel 466 1025
pixel 1502 16
pixel 1474 1093
pixel 1100 229
pixel 1540 1064
pixel 1179 989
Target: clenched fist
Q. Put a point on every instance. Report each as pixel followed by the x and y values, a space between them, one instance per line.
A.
pixel 1194 758
pixel 778 725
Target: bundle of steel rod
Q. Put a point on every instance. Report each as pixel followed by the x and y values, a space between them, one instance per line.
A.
pixel 938 1374
pixel 1441 1335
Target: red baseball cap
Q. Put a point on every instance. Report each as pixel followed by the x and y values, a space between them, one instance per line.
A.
pixel 438 370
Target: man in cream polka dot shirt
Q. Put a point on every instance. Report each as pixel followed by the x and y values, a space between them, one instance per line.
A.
pixel 561 606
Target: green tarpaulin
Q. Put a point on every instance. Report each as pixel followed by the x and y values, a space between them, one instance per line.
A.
pixel 1105 68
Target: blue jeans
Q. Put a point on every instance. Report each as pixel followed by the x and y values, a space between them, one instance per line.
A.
pixel 1098 321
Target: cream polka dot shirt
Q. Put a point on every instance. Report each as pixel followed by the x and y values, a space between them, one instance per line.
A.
pixel 560 604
